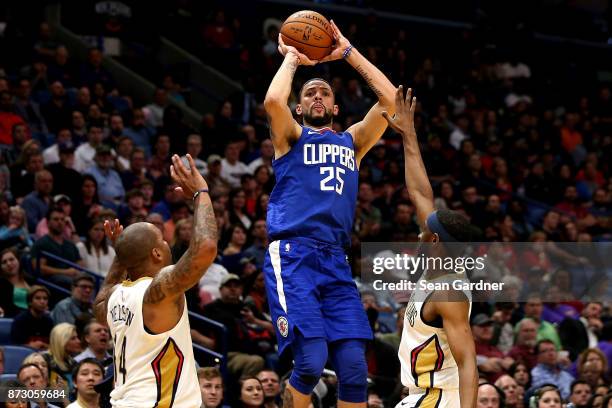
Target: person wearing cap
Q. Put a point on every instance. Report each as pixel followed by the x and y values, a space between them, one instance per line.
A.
pixel 110 187
pixel 64 170
pixel 85 153
pixel 215 179
pixel 64 203
pixel 455 383
pixel 490 359
pixel 80 301
pixel 244 356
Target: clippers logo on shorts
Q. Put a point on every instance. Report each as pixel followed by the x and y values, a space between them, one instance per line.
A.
pixel 283 326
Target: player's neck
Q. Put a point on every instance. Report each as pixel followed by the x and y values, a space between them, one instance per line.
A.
pixel 319 128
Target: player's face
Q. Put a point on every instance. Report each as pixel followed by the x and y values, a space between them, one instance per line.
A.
pixel 212 392
pixel 317 104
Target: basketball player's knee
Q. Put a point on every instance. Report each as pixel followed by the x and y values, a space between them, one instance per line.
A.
pixel 307 370
pixel 352 371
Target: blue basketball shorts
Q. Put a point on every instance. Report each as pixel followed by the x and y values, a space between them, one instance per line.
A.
pixel 310 288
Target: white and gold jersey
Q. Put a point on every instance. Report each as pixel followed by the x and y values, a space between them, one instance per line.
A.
pixel 151 370
pixel 428 368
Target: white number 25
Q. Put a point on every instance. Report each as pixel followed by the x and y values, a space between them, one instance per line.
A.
pixel 329 172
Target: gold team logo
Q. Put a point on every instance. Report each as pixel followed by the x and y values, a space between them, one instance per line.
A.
pixel 283 326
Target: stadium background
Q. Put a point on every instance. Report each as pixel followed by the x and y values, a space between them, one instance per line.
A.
pixel 514 119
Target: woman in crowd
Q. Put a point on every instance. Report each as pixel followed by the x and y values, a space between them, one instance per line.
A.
pixel 97 254
pixel 87 206
pixel 237 208
pixel 548 397
pixel 181 238
pixel 251 392
pixel 39 360
pixel 64 345
pixel 234 251
pixel 13 286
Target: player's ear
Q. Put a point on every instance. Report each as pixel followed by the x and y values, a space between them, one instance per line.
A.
pixel 336 110
pixel 298 109
pixel 157 254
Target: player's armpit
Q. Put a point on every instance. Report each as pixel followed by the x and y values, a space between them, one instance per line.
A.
pixel 368 131
pixel 455 317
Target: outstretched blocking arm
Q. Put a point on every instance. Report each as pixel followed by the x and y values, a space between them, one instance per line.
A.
pixel 417 182
pixel 455 318
pixel 116 274
pixel 284 130
pixel 367 132
pixel 169 285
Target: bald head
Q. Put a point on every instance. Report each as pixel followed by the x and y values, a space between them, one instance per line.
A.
pixel 141 249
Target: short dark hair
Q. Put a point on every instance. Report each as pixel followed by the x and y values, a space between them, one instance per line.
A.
pixel 35 289
pixel 578 382
pixel 544 341
pixel 89 360
pixel 51 210
pixel 457 225
pixel 27 365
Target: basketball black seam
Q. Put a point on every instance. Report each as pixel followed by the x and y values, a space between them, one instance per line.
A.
pixel 310 45
pixel 316 46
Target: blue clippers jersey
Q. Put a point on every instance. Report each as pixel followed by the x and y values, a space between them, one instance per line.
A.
pixel 316 189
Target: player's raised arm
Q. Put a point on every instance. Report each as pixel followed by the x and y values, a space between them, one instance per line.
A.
pixel 169 285
pixel 417 182
pixel 455 320
pixel 367 132
pixel 116 274
pixel 284 130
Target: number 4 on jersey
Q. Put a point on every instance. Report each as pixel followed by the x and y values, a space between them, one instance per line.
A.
pixel 330 172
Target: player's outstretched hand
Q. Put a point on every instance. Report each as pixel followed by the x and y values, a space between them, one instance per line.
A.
pixel 403 121
pixel 112 229
pixel 284 49
pixel 341 44
pixel 189 180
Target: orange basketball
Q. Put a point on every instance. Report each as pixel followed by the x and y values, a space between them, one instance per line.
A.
pixel 309 32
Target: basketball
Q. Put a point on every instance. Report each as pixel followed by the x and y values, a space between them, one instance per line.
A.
pixel 309 32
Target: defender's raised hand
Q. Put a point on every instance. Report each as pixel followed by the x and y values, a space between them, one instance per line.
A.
pixel 189 180
pixel 341 44
pixel 284 49
pixel 403 121
pixel 112 229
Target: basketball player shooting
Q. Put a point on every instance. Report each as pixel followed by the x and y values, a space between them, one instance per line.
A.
pixel 143 301
pixel 313 298
pixel 437 352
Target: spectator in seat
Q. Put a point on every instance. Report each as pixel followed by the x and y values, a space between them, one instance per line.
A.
pixel 78 127
pixel 64 345
pixel 211 386
pixel 93 72
pixel 32 376
pixel 38 359
pixel 578 334
pixel 86 374
pixel 533 309
pixel 67 310
pixel 259 245
pixel 110 187
pixel 84 155
pixel 56 112
pixel 16 232
pixel 137 174
pixel 170 198
pixel 96 338
pixel 266 151
pixel 511 391
pixel 55 243
pixel 229 309
pixel 8 118
pixel 251 392
pixel 64 203
pixel 51 153
pixel 393 339
pixel 20 137
pixel 580 393
pixel 215 179
pixel 490 359
pixel 489 396
pixel 14 288
pixel 63 170
pixel 135 205
pixel 23 180
pixel 159 165
pixel 140 134
pixel 154 112
pixel 549 371
pixel 231 167
pixel 124 147
pixel 271 387
pixel 28 109
pixel 194 148
pixel 526 340
pixel 32 327
pixel 96 253
pixel 592 366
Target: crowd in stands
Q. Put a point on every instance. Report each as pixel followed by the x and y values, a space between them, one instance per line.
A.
pixel 76 151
